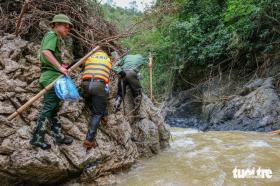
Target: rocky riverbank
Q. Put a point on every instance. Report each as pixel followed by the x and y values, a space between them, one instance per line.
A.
pixel 223 104
pixel 121 142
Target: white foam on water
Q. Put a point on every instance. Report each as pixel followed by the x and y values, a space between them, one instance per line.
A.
pixel 221 179
pixel 193 154
pixel 258 143
pixel 206 158
pixel 250 160
pixel 183 143
pixel 182 132
pixel 217 141
pixel 166 183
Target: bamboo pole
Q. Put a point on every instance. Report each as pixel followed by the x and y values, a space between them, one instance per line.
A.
pixel 47 88
pixel 151 75
pixel 123 89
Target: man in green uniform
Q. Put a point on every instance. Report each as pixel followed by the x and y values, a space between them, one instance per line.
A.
pixel 51 68
pixel 128 68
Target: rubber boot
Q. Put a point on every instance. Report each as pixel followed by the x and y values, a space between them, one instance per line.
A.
pixel 93 124
pixel 39 135
pixel 56 133
pixel 118 103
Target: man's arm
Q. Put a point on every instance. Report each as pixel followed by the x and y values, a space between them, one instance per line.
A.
pixel 50 57
pixel 117 66
pixel 121 61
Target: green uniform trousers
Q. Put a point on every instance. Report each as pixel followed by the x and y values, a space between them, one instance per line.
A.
pixel 50 105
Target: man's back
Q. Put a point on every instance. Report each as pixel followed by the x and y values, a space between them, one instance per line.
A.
pixel 132 62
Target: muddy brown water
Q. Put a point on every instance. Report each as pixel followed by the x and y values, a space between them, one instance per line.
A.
pixel 210 158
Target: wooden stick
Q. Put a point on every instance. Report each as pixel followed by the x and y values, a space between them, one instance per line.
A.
pixel 47 88
pixel 123 89
pixel 24 6
pixel 151 75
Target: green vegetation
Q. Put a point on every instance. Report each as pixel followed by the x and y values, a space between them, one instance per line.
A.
pixel 122 18
pixel 207 32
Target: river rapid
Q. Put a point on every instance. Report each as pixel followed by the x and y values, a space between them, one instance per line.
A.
pixel 210 158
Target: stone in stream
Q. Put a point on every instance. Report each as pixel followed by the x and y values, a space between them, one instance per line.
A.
pixel 121 142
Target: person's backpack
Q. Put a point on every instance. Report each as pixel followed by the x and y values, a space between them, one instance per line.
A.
pixel 66 90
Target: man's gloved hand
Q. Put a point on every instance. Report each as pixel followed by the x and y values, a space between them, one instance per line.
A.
pixel 122 74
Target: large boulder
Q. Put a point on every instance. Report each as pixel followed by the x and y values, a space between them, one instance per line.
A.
pixel 255 108
pixel 226 104
pixel 123 140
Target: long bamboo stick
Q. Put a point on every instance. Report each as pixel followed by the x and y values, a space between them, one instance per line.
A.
pixel 151 75
pixel 47 88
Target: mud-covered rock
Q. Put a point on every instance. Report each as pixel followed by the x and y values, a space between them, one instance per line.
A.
pixel 124 139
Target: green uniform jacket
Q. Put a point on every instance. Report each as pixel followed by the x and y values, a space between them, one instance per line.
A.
pixel 130 62
pixel 48 72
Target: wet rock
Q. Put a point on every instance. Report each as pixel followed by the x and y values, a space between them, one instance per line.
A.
pixel 184 109
pixel 257 110
pixel 6 108
pixel 146 136
pixel 22 163
pixel 252 107
pixel 6 148
pixel 107 180
pixel 24 132
pixel 183 104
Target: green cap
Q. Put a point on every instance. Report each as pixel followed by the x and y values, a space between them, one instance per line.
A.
pixel 61 18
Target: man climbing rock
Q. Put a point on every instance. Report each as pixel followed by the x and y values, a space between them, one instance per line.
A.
pixel 51 67
pixel 128 69
pixel 96 74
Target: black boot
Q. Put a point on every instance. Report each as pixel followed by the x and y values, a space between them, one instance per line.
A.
pixel 39 134
pixel 56 133
pixel 118 103
pixel 93 124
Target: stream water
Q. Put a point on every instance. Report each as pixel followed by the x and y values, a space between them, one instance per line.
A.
pixel 210 158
